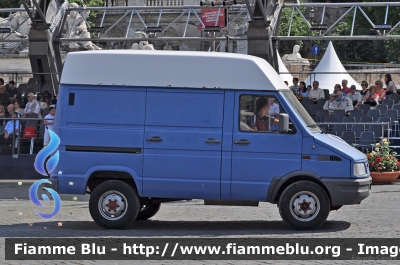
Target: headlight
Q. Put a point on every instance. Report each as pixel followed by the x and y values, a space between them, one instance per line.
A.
pixel 359 169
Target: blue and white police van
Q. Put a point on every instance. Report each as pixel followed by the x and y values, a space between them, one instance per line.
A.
pixel 140 128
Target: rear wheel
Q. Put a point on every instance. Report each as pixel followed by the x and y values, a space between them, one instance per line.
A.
pixel 114 204
pixel 304 205
pixel 148 211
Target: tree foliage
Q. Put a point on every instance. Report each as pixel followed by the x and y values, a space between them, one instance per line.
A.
pixel 89 3
pixel 299 28
pixel 9 4
pixel 381 51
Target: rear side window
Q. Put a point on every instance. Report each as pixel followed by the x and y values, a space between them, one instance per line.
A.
pixel 259 113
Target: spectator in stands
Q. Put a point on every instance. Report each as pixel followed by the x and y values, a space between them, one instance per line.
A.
pixel 48 123
pixel 17 107
pixel 54 103
pixel 372 98
pixel 302 90
pixel 330 104
pixel 390 86
pixel 295 86
pixel 337 88
pixel 355 96
pixel 379 90
pixel 32 106
pixel 345 88
pixel 309 88
pixel 365 91
pixel 2 112
pixel 12 90
pixel 316 93
pixel 4 95
pixel 344 103
pixel 47 97
pixel 260 120
pixel 43 105
pixel 11 129
pixel 11 111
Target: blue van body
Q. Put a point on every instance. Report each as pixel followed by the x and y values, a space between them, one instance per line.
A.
pixel 187 143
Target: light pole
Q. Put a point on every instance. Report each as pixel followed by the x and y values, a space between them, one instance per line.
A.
pixel 311 23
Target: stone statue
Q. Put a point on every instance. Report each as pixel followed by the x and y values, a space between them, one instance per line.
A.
pixel 167 47
pixel 143 45
pixel 295 57
pixel 19 24
pixel 76 28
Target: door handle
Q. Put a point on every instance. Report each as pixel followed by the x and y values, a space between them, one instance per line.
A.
pixel 154 139
pixel 212 141
pixel 242 142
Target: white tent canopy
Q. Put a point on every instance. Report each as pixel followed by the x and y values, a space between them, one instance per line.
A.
pixel 330 71
pixel 282 69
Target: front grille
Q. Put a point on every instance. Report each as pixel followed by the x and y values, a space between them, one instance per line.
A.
pixel 329 158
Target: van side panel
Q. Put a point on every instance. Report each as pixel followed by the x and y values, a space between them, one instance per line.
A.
pixel 180 163
pixel 101 127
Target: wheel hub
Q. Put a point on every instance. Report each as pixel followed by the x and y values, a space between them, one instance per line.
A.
pixel 304 206
pixel 112 205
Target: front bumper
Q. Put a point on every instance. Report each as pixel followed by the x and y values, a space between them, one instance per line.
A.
pixel 348 191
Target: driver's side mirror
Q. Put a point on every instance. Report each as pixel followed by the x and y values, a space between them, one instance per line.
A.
pixel 283 123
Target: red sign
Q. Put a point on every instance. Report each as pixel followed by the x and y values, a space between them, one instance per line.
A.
pixel 209 17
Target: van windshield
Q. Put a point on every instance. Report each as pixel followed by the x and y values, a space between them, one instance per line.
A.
pixel 301 112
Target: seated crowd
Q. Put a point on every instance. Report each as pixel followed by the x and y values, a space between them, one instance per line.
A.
pixel 344 97
pixel 349 112
pixel 13 113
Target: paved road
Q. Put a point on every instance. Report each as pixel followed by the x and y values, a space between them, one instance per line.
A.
pixel 377 216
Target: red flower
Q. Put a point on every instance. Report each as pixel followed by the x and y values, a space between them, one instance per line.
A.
pixel 379 167
pixel 398 164
pixel 378 159
pixel 372 164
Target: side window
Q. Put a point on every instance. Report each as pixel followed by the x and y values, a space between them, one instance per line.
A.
pixel 259 113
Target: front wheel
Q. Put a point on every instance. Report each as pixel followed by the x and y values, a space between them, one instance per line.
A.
pixel 304 205
pixel 114 204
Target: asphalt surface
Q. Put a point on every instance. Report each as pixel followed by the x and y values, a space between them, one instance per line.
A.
pixel 376 217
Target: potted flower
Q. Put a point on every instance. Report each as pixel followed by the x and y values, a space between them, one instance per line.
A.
pixel 383 165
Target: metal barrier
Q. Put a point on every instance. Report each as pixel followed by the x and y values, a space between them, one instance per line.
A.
pixel 383 124
pixel 16 141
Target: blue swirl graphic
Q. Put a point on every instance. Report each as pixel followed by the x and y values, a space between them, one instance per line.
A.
pixel 44 163
pixel 35 200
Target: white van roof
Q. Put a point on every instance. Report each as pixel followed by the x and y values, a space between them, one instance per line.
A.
pixel 170 69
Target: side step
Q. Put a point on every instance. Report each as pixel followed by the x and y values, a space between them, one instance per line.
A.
pixel 231 203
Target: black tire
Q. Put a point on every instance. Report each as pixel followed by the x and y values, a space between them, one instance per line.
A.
pixel 124 206
pixel 305 195
pixel 148 211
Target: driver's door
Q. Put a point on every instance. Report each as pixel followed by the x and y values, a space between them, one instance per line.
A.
pixel 259 156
